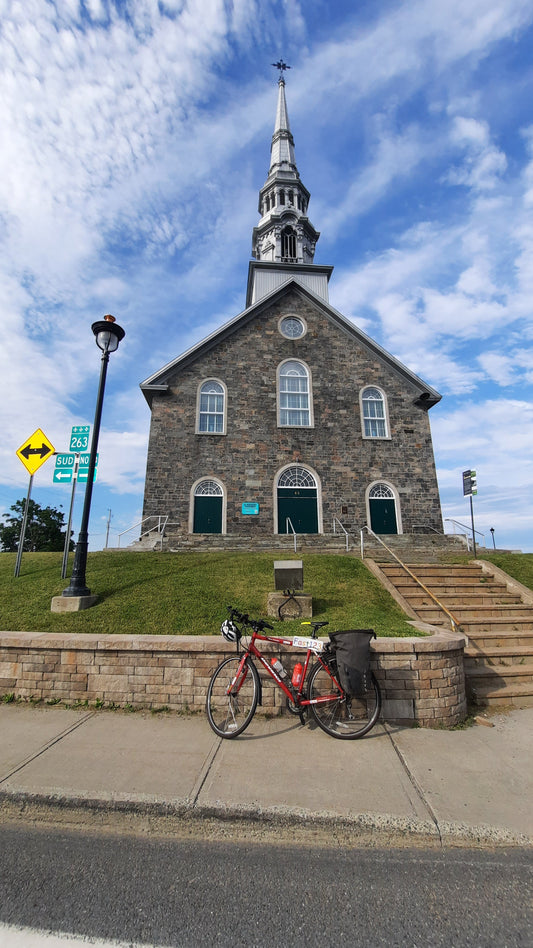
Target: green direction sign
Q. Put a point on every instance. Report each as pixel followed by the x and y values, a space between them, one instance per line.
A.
pixel 84 461
pixel 83 475
pixel 65 466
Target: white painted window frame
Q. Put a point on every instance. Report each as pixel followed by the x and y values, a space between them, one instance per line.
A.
pixel 370 437
pixel 224 413
pixel 309 395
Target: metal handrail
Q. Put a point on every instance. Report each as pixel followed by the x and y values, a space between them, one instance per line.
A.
pixel 344 530
pixel 160 528
pixel 456 626
pixel 465 527
pixel 288 523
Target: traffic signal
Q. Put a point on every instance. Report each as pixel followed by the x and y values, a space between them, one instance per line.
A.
pixel 469 483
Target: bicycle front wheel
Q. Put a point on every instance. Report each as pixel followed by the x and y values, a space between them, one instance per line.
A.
pixel 342 716
pixel 232 696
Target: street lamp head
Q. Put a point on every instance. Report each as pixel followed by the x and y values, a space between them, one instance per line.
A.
pixel 108 333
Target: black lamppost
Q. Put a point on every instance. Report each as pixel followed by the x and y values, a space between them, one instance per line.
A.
pixel 493 540
pixel 108 334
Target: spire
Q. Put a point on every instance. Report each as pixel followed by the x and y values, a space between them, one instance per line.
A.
pixel 284 234
pixel 282 148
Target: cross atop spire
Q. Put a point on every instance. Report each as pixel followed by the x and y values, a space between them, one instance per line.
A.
pixel 281 66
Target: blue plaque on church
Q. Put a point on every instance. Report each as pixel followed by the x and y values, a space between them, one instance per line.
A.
pixel 250 508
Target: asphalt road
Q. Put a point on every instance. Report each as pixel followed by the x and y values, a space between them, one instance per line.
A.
pixel 191 891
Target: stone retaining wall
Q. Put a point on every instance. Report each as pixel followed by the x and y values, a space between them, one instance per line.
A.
pixel 422 679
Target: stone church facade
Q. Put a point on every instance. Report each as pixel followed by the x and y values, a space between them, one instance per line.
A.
pixel 289 418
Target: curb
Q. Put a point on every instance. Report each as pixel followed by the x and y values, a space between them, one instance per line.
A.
pixel 361 828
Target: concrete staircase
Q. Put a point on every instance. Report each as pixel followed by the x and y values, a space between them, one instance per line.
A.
pixel 216 542
pixel 494 612
pixel 417 546
pixel 413 547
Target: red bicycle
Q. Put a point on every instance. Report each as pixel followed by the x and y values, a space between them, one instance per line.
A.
pixel 235 688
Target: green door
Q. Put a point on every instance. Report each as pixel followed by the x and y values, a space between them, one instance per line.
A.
pixel 383 515
pixel 300 505
pixel 207 514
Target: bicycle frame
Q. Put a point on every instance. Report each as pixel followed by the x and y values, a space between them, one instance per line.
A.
pixel 294 695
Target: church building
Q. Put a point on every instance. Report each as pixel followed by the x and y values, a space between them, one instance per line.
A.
pixel 289 419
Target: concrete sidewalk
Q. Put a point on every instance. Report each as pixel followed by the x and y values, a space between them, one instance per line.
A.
pixel 472 785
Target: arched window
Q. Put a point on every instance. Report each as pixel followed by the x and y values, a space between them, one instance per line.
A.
pixel 374 415
pixel 211 407
pixel 381 492
pixel 208 488
pixel 294 395
pixel 288 244
pixel 296 476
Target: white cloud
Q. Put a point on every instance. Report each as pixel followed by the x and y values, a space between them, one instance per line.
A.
pixel 498 367
pixel 484 164
pixel 495 436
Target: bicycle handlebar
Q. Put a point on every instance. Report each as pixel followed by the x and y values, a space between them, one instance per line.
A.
pixel 256 624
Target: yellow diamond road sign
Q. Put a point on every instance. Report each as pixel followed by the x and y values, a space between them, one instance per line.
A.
pixel 35 451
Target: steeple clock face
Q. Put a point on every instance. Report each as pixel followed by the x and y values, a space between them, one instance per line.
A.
pixel 291 327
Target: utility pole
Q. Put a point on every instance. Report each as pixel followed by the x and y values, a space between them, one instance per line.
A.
pixel 108 525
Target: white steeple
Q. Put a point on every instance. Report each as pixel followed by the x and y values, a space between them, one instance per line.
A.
pixel 283 243
pixel 284 233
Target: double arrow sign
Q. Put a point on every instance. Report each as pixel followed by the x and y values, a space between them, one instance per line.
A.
pixel 65 468
pixel 35 451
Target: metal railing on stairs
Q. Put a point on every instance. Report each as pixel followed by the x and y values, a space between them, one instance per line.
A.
pixel 158 527
pixel 344 530
pixel 469 542
pixel 456 625
pixel 288 523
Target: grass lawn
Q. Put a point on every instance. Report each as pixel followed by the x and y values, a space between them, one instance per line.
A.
pixel 517 565
pixel 187 593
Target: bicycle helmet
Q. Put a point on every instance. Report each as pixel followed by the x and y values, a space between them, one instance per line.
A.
pixel 230 631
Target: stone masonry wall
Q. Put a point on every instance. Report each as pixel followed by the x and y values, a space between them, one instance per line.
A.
pixel 249 456
pixel 422 679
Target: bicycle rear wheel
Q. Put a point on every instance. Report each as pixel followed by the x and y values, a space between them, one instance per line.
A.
pixel 232 697
pixel 343 717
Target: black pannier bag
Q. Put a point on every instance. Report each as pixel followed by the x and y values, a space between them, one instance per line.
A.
pixel 352 654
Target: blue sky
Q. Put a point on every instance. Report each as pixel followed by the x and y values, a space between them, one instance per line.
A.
pixel 136 136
